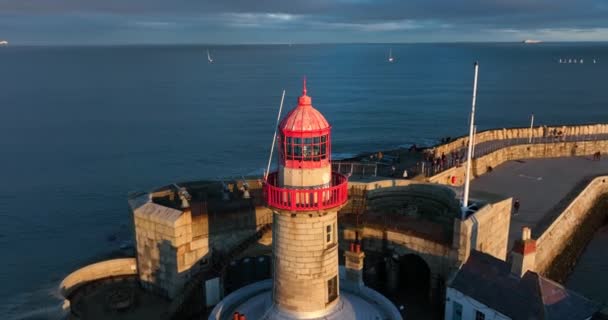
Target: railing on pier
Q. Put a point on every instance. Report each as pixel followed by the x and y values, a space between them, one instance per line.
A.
pixel 435 165
pixel 306 199
pixel 355 168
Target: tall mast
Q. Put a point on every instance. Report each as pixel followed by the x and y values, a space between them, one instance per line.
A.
pixel 274 139
pixel 467 182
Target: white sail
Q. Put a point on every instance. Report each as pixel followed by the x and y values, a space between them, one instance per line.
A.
pixel 390 55
pixel 209 57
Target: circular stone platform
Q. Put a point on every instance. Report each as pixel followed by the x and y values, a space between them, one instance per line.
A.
pixel 255 302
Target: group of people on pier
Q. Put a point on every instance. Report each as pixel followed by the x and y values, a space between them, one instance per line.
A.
pixel 433 163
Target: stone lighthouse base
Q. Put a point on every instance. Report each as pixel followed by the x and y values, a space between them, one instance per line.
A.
pixel 255 302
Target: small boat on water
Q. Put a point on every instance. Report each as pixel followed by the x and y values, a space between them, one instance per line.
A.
pixel 390 56
pixel 209 57
pixel 530 41
pixel 3 43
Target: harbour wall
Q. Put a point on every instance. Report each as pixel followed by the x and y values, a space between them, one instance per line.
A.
pixel 561 242
pixel 97 271
pixel 562 236
pixel 522 133
pixel 485 163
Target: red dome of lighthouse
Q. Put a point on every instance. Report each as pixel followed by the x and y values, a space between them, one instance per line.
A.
pixel 304 118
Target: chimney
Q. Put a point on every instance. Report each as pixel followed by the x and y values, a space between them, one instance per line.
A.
pixel 354 264
pixel 523 256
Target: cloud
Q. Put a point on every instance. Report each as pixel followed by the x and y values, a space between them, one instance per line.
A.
pixel 153 24
pixel 340 19
pixel 267 20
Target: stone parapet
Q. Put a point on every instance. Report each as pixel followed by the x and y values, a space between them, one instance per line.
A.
pixel 482 164
pixel 97 271
pixel 515 133
pixel 557 235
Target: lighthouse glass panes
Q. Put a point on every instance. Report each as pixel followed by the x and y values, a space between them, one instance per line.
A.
pixel 306 149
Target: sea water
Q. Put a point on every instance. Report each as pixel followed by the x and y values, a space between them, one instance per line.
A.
pixel 81 127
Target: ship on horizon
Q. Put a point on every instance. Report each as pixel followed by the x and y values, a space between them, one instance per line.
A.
pixel 3 43
pixel 531 41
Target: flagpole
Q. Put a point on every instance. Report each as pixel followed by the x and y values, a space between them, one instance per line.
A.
pixel 531 128
pixel 467 182
pixel 274 139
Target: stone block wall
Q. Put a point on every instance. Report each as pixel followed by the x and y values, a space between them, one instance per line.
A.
pixel 97 271
pixel 166 250
pixel 511 133
pixel 490 228
pixel 305 261
pixel 487 230
pixel 527 151
pixel 556 236
pixel 173 245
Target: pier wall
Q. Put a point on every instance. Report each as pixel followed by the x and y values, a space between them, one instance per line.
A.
pixel 514 133
pixel 97 271
pixel 482 164
pixel 559 235
pixel 173 245
pixel 486 231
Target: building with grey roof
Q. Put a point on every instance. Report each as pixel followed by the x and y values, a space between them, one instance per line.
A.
pixel 486 288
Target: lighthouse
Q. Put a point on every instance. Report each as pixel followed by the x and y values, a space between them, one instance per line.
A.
pixel 305 196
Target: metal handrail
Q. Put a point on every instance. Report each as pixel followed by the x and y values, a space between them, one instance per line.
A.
pixel 306 199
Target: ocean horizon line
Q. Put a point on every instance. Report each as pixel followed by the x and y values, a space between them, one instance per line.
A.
pixel 194 44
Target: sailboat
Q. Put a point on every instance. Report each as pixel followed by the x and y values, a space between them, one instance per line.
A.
pixel 209 57
pixel 390 55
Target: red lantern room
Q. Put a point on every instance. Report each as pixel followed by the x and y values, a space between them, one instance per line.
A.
pixel 305 139
pixel 304 180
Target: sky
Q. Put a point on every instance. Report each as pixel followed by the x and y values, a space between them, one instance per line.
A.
pixel 299 21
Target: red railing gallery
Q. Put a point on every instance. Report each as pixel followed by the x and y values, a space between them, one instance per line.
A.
pixel 306 199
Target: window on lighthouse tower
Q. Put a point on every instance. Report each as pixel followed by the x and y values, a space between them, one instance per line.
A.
pixel 332 289
pixel 330 234
pixel 306 149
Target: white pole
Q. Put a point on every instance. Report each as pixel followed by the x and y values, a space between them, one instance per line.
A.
pixel 467 181
pixel 274 139
pixel 531 127
pixel 474 141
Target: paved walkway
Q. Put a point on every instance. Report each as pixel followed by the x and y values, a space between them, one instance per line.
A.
pixel 539 184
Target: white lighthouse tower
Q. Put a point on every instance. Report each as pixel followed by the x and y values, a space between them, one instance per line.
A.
pixel 305 196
